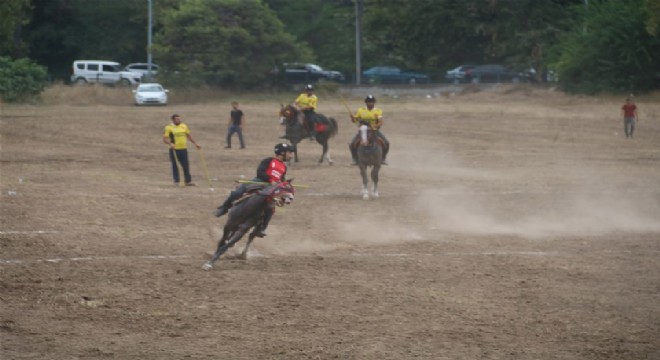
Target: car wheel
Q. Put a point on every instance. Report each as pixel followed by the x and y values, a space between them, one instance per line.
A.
pixel 412 81
pixel 456 81
pixel 475 80
pixel 124 82
pixel 515 80
pixel 80 81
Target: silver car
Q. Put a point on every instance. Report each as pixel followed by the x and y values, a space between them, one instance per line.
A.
pixel 150 94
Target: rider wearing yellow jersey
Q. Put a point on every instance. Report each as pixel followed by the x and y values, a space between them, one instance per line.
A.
pixel 306 102
pixel 374 116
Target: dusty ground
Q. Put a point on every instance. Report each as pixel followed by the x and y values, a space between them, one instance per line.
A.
pixel 514 223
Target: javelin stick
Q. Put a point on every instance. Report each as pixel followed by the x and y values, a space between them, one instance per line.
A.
pixel 350 113
pixel 206 170
pixel 265 183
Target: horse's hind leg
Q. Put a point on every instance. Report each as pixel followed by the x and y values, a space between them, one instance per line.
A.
pixel 326 153
pixel 219 251
pixel 228 240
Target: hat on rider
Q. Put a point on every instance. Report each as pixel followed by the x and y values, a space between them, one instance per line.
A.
pixel 309 87
pixel 370 98
pixel 282 148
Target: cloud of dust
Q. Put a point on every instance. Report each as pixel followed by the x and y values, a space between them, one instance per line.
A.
pixel 576 212
pixel 376 231
pixel 585 201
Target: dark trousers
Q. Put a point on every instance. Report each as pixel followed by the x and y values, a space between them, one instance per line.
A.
pixel 235 129
pixel 182 156
pixel 309 117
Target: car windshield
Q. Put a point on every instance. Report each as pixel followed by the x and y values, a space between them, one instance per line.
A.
pixel 315 67
pixel 149 88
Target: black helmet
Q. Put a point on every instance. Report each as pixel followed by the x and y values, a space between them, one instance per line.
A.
pixel 370 98
pixel 282 148
pixel 309 87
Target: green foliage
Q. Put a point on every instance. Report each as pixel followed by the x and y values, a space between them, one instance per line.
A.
pixel 238 43
pixel 610 50
pixel 14 14
pixel 234 43
pixel 20 80
pixel 653 10
pixel 326 26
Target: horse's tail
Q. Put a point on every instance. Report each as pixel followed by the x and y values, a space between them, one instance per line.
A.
pixel 334 127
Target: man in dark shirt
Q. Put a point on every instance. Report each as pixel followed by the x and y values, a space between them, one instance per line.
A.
pixel 236 122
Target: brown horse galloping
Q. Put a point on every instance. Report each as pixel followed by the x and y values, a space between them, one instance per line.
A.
pixel 297 130
pixel 248 213
pixel 369 154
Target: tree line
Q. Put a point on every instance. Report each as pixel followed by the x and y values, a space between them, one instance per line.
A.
pixel 591 45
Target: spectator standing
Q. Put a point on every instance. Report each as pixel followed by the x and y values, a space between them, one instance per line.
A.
pixel 236 122
pixel 175 137
pixel 629 113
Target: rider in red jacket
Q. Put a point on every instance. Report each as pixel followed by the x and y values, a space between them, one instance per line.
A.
pixel 270 170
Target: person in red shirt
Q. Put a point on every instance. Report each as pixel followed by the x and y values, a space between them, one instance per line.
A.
pixel 270 170
pixel 629 113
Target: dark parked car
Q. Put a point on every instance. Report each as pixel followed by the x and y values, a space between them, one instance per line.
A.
pixel 392 75
pixel 459 74
pixel 309 73
pixel 494 74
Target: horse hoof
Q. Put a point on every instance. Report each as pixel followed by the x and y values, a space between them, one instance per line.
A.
pixel 207 266
pixel 375 195
pixel 365 197
pixel 241 256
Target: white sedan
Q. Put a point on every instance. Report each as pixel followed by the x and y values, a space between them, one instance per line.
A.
pixel 150 93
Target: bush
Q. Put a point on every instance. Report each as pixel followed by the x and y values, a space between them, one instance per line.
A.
pixel 21 79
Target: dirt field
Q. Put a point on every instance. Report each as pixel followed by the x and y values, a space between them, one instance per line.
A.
pixel 513 223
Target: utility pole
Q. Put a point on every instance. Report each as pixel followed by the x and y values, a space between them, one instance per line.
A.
pixel 358 44
pixel 149 42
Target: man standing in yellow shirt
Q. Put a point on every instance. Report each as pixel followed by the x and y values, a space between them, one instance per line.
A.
pixel 306 102
pixel 175 137
pixel 374 116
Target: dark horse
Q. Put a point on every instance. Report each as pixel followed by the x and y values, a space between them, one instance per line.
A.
pixel 296 130
pixel 369 153
pixel 248 213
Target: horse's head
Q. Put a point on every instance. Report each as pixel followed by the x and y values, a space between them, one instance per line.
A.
pixel 281 193
pixel 366 133
pixel 288 113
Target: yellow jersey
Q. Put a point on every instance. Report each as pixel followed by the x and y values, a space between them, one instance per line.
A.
pixel 178 135
pixel 371 116
pixel 304 101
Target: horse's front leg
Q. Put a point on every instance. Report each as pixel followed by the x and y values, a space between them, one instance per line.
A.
pixel 365 182
pixel 374 179
pixel 295 153
pixel 243 255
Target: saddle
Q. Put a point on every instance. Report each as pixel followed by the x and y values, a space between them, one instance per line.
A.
pixel 320 123
pixel 250 191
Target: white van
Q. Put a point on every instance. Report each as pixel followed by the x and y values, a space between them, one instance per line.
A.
pixel 102 72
